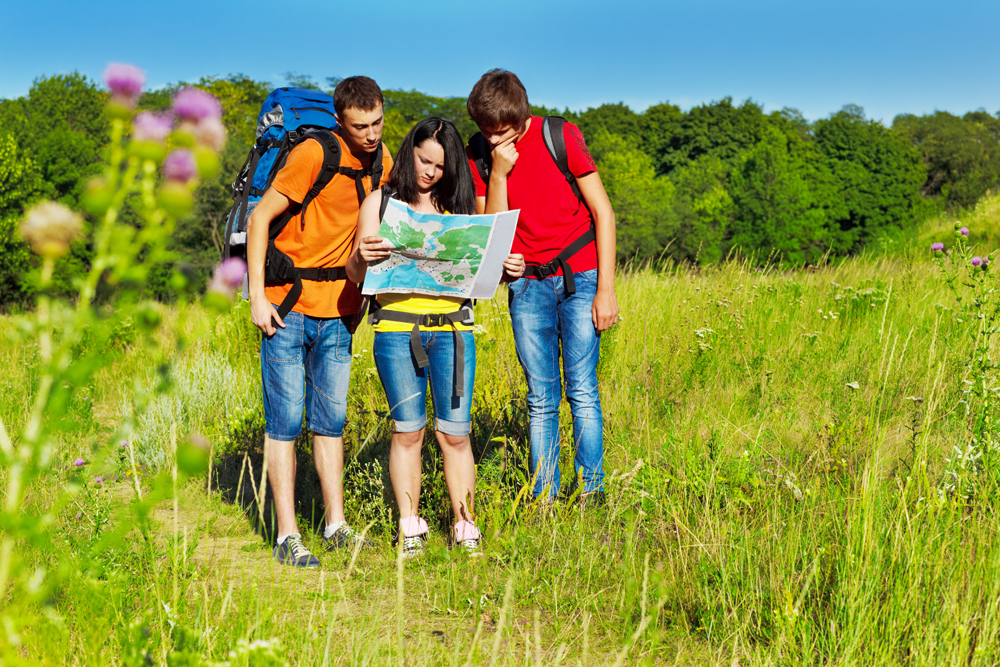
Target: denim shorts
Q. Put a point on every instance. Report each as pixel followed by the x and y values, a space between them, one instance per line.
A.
pixel 306 367
pixel 406 384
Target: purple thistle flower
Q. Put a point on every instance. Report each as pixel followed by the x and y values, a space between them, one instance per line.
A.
pixel 964 231
pixel 977 260
pixel 99 479
pixel 149 126
pixel 194 104
pixel 79 462
pixel 228 276
pixel 125 81
pixel 123 444
pixel 180 166
pixel 937 247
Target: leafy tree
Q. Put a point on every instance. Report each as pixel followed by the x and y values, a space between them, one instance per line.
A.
pixel 779 200
pixel 617 119
pixel 404 109
pixel 20 185
pixel 704 209
pixel 878 178
pixel 718 129
pixel 962 155
pixel 642 202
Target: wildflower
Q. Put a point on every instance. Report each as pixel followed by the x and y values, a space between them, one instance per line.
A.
pixel 977 260
pixel 99 479
pixel 123 444
pixel 49 227
pixel 228 276
pixel 125 82
pixel 149 126
pixel 195 105
pixel 210 133
pixel 79 462
pixel 180 166
pixel 964 231
pixel 937 247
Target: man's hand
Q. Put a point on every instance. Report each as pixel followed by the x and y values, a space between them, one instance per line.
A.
pixel 604 312
pixel 374 248
pixel 514 265
pixel 261 313
pixel 504 157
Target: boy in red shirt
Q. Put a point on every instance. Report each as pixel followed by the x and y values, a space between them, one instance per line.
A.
pixel 567 295
pixel 306 356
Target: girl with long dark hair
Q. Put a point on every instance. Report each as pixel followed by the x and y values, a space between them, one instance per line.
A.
pixel 421 338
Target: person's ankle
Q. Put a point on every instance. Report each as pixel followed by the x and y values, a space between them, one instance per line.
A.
pixel 412 526
pixel 332 528
pixel 466 530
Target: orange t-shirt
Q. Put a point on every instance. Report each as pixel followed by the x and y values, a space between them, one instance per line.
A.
pixel 327 237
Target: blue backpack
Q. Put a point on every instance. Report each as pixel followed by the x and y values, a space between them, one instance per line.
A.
pixel 288 117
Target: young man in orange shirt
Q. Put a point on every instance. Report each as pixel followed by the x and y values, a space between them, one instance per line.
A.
pixel 306 357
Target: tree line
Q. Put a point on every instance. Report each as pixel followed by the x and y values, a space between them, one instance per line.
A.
pixel 692 185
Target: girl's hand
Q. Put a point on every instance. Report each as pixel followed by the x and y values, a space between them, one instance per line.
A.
pixel 374 248
pixel 514 265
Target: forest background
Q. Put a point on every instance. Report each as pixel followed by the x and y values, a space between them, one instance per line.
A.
pixel 718 179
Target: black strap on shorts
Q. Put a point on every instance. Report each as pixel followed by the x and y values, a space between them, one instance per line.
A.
pixel 461 316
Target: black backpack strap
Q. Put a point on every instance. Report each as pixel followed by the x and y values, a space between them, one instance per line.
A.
pixel 387 194
pixel 376 170
pixel 331 165
pixel 241 197
pixel 482 155
pixel 561 261
pixel 463 315
pixel 553 133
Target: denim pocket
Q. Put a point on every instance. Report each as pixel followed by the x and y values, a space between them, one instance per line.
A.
pixel 285 345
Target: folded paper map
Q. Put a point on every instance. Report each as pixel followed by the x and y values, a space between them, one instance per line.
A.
pixel 451 255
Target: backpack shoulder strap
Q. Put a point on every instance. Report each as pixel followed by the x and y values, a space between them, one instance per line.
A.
pixel 331 164
pixel 553 133
pixel 387 194
pixel 482 155
pixel 376 168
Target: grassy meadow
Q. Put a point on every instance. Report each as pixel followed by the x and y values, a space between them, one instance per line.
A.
pixel 781 459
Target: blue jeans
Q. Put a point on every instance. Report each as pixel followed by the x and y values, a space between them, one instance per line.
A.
pixel 306 366
pixel 406 384
pixel 543 316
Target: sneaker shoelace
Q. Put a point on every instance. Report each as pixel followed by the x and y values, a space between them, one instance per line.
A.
pixel 469 545
pixel 297 548
pixel 415 543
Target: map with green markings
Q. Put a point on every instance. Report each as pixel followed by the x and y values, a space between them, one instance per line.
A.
pixel 435 254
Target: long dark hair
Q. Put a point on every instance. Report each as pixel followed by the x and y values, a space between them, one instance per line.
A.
pixel 454 192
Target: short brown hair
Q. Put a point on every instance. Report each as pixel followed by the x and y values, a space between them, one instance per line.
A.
pixel 498 100
pixel 357 92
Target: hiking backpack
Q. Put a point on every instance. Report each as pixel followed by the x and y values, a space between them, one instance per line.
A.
pixel 555 142
pixel 288 117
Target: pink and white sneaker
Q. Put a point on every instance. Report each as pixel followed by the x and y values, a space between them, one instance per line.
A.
pixel 468 538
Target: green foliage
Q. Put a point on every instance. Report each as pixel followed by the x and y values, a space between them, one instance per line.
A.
pixel 404 109
pixel 779 200
pixel 878 178
pixel 20 184
pixel 704 209
pixel 642 201
pixel 962 155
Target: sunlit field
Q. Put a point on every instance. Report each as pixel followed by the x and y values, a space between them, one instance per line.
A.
pixel 785 486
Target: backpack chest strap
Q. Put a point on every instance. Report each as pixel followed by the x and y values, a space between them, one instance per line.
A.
pixel 561 261
pixel 461 316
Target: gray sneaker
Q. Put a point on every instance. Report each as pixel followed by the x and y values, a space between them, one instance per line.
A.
pixel 345 538
pixel 293 552
pixel 412 546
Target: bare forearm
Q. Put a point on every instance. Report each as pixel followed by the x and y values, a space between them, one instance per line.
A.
pixel 256 254
pixel 496 194
pixel 604 223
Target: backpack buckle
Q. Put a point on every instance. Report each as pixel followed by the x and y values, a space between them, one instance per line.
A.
pixel 434 320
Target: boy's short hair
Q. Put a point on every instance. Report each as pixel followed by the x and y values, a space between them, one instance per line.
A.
pixel 357 92
pixel 498 100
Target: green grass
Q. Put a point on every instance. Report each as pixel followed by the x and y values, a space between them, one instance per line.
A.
pixel 776 447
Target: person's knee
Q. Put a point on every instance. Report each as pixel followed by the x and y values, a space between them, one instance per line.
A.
pixel 408 439
pixel 453 442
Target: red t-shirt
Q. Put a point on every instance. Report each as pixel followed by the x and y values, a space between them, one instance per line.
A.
pixel 551 216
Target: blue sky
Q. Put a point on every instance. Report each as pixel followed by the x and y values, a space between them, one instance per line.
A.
pixel 888 57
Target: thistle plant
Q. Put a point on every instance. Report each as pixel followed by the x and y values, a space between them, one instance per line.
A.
pixel 975 289
pixel 155 161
